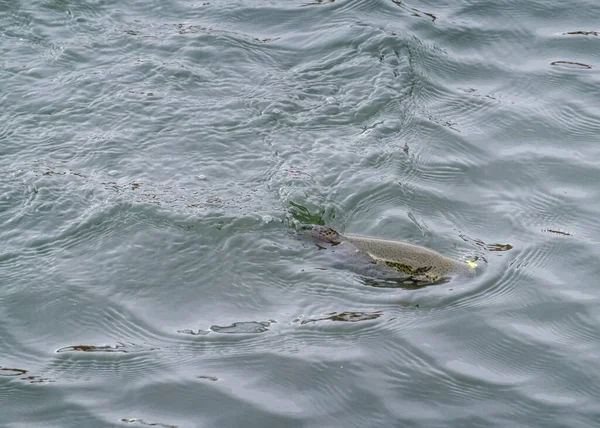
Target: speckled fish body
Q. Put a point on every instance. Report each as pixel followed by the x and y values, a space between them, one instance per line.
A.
pixel 410 258
pixel 391 259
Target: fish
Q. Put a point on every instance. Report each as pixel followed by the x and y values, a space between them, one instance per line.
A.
pixel 388 259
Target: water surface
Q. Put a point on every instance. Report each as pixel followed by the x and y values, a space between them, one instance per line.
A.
pixel 153 155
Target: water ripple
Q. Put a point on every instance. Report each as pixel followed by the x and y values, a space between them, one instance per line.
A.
pixel 153 153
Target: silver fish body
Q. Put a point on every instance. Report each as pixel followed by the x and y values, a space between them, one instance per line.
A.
pixel 391 259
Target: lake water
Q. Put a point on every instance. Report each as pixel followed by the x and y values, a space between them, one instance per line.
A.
pixel 155 157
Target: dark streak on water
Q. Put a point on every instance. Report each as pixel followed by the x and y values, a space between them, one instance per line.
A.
pixel 154 154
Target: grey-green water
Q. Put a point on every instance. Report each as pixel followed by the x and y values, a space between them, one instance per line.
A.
pixel 152 153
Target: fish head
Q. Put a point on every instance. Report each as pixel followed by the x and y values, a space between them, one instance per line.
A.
pixel 322 235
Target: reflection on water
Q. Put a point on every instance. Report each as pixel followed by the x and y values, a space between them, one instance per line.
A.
pixel 343 317
pixel 571 64
pixel 143 422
